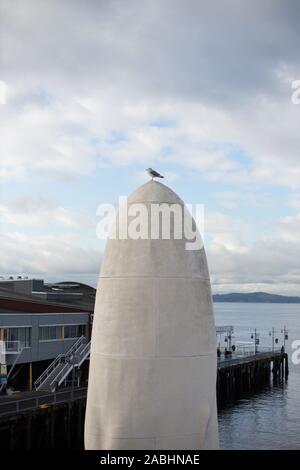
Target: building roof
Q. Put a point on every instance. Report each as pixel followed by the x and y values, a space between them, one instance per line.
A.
pixel 13 301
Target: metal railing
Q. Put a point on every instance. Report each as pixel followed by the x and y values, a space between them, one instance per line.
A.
pixel 75 345
pixel 61 375
pixel 84 353
pixel 268 349
pixel 246 353
pixel 235 359
pixel 13 347
pixel 10 406
pixel 60 359
pixel 71 362
pixel 48 371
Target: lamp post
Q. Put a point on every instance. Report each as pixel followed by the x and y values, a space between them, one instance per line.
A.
pixel 255 336
pixel 272 333
pixel 285 335
pixel 256 341
pixel 274 340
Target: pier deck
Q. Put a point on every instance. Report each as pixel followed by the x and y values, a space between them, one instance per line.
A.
pixel 43 420
pixel 239 375
pixel 55 420
pixel 29 401
pixel 234 374
pixel 271 355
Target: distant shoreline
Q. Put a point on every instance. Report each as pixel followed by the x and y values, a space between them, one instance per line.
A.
pixel 256 297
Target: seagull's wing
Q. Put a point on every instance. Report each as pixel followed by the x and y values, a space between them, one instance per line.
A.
pixel 154 173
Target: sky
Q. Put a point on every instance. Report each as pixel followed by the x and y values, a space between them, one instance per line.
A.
pixel 95 92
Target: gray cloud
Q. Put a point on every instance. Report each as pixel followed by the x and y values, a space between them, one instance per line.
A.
pixel 223 68
pixel 218 72
pixel 220 52
pixel 51 254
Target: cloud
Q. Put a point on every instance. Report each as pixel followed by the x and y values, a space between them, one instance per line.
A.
pixel 290 226
pixel 39 236
pixel 113 67
pixel 202 88
pixel 48 254
pixel 269 264
pixel 39 212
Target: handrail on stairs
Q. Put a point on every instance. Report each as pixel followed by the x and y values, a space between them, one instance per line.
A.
pixel 75 345
pixel 57 361
pixel 69 365
pixel 84 351
pixel 48 371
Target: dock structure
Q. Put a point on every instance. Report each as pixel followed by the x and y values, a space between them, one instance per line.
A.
pixel 41 420
pixel 240 375
pixel 46 420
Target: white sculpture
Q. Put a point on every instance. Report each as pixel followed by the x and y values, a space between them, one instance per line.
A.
pixel 152 380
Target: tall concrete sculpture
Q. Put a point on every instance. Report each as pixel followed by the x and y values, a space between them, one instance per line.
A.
pixel 152 382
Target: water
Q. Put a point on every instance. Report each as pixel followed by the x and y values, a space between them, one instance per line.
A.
pixel 269 419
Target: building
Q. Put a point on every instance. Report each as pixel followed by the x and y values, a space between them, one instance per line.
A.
pixel 62 292
pixel 21 285
pixel 35 331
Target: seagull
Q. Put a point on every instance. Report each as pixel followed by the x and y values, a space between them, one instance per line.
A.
pixel 153 173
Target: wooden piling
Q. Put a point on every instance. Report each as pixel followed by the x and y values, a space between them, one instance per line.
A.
pixel 236 377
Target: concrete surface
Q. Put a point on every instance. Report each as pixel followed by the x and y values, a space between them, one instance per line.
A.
pixel 152 381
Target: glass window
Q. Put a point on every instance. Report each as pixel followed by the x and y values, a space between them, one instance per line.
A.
pixel 70 331
pixel 81 330
pixel 22 334
pixel 11 334
pixel 48 333
pixel 74 331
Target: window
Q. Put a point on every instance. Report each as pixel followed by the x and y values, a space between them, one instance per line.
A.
pixel 74 331
pixel 48 333
pixel 21 333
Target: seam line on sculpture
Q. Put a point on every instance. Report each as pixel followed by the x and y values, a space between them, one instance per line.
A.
pixel 151 357
pixel 155 200
pixel 138 276
pixel 168 436
pixel 155 318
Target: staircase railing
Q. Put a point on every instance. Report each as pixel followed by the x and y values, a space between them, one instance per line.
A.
pixel 77 343
pixel 84 353
pixel 48 371
pixel 60 377
pixel 61 358
pixel 69 365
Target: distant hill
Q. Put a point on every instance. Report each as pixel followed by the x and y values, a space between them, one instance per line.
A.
pixel 260 297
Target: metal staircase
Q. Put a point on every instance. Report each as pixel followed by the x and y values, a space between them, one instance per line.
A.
pixel 61 367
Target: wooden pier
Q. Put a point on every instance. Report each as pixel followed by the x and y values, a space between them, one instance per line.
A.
pixel 42 420
pixel 238 376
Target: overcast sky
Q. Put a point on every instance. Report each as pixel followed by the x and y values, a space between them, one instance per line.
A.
pixel 98 91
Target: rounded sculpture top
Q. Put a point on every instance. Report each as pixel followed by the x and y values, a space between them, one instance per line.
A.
pixel 153 191
pixel 153 255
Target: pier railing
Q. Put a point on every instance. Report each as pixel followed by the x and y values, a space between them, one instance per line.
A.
pixel 234 374
pixel 9 405
pixel 232 360
pixel 247 353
